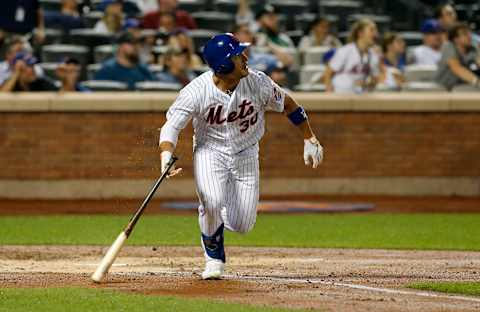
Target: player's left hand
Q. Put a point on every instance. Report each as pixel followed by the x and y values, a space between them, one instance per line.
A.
pixel 166 156
pixel 313 150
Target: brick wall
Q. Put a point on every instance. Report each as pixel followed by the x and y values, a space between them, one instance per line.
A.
pixel 56 145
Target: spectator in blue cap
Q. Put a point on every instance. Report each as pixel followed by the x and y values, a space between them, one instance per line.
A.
pixel 429 52
pixel 24 77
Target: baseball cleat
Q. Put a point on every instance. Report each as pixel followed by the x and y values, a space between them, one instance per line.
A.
pixel 213 270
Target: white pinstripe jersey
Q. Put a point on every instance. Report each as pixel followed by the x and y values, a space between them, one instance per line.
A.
pixel 226 123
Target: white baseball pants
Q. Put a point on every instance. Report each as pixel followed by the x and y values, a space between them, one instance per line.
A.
pixel 228 189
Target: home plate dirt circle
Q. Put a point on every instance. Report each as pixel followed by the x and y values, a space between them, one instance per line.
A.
pixel 325 279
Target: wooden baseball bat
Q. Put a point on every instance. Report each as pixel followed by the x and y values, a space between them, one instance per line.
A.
pixel 113 251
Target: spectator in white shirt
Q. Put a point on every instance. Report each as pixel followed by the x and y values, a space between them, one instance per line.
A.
pixel 113 19
pixel 429 53
pixel 355 67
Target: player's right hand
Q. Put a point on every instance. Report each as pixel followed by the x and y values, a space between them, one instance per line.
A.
pixel 312 150
pixel 166 157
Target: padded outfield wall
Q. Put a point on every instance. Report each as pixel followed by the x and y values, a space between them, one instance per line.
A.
pixel 105 146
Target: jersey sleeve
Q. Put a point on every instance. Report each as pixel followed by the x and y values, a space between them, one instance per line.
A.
pixel 182 110
pixel 273 94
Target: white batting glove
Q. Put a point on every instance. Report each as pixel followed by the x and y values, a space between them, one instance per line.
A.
pixel 312 149
pixel 166 157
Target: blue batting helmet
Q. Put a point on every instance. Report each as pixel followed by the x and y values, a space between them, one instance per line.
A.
pixel 218 51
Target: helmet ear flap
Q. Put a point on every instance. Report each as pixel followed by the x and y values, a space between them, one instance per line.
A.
pixel 226 68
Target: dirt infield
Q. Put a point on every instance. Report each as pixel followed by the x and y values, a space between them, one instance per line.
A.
pixel 325 279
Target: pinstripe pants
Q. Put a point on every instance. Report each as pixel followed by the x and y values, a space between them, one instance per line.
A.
pixel 227 187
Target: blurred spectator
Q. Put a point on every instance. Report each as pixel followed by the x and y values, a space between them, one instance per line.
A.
pixel 22 17
pixel 245 15
pixel 355 66
pixel 24 78
pixel 125 66
pixel 176 67
pixel 67 18
pixel 129 7
pixel 13 46
pixel 68 73
pixel 393 48
pixel 429 52
pixel 166 22
pixel 182 18
pixel 113 18
pixel 278 73
pixel 319 35
pixel 460 61
pixel 182 41
pixel 258 60
pixel 446 16
pixel 132 26
pixel 269 34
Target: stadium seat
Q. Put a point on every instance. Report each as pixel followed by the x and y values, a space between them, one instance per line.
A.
pixel 200 37
pixel 412 38
pixel 157 86
pixel 314 55
pixel 91 18
pixel 50 5
pixel 310 74
pixel 89 38
pixel 382 21
pixel 340 8
pixel 159 51
pixel 92 70
pixel 103 52
pixel 316 87
pixel 49 69
pixel 422 86
pixel 192 5
pixel 222 22
pixel 53 36
pixel 465 88
pixel 58 52
pixel 290 7
pixel 295 35
pixel 227 6
pixel 155 69
pixel 104 85
pixel 420 72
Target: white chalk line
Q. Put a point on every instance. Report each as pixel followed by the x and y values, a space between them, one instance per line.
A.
pixel 322 282
pixel 356 286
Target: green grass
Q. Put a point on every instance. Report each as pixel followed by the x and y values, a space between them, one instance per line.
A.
pixel 394 231
pixel 83 300
pixel 465 288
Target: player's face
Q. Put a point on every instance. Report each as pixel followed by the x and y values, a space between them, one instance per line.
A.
pixel 241 64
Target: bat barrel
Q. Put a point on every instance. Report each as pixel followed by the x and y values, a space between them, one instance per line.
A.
pixel 109 258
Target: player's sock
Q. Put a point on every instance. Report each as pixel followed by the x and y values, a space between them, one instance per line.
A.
pixel 213 245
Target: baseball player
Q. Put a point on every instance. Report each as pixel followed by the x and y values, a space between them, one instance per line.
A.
pixel 227 105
